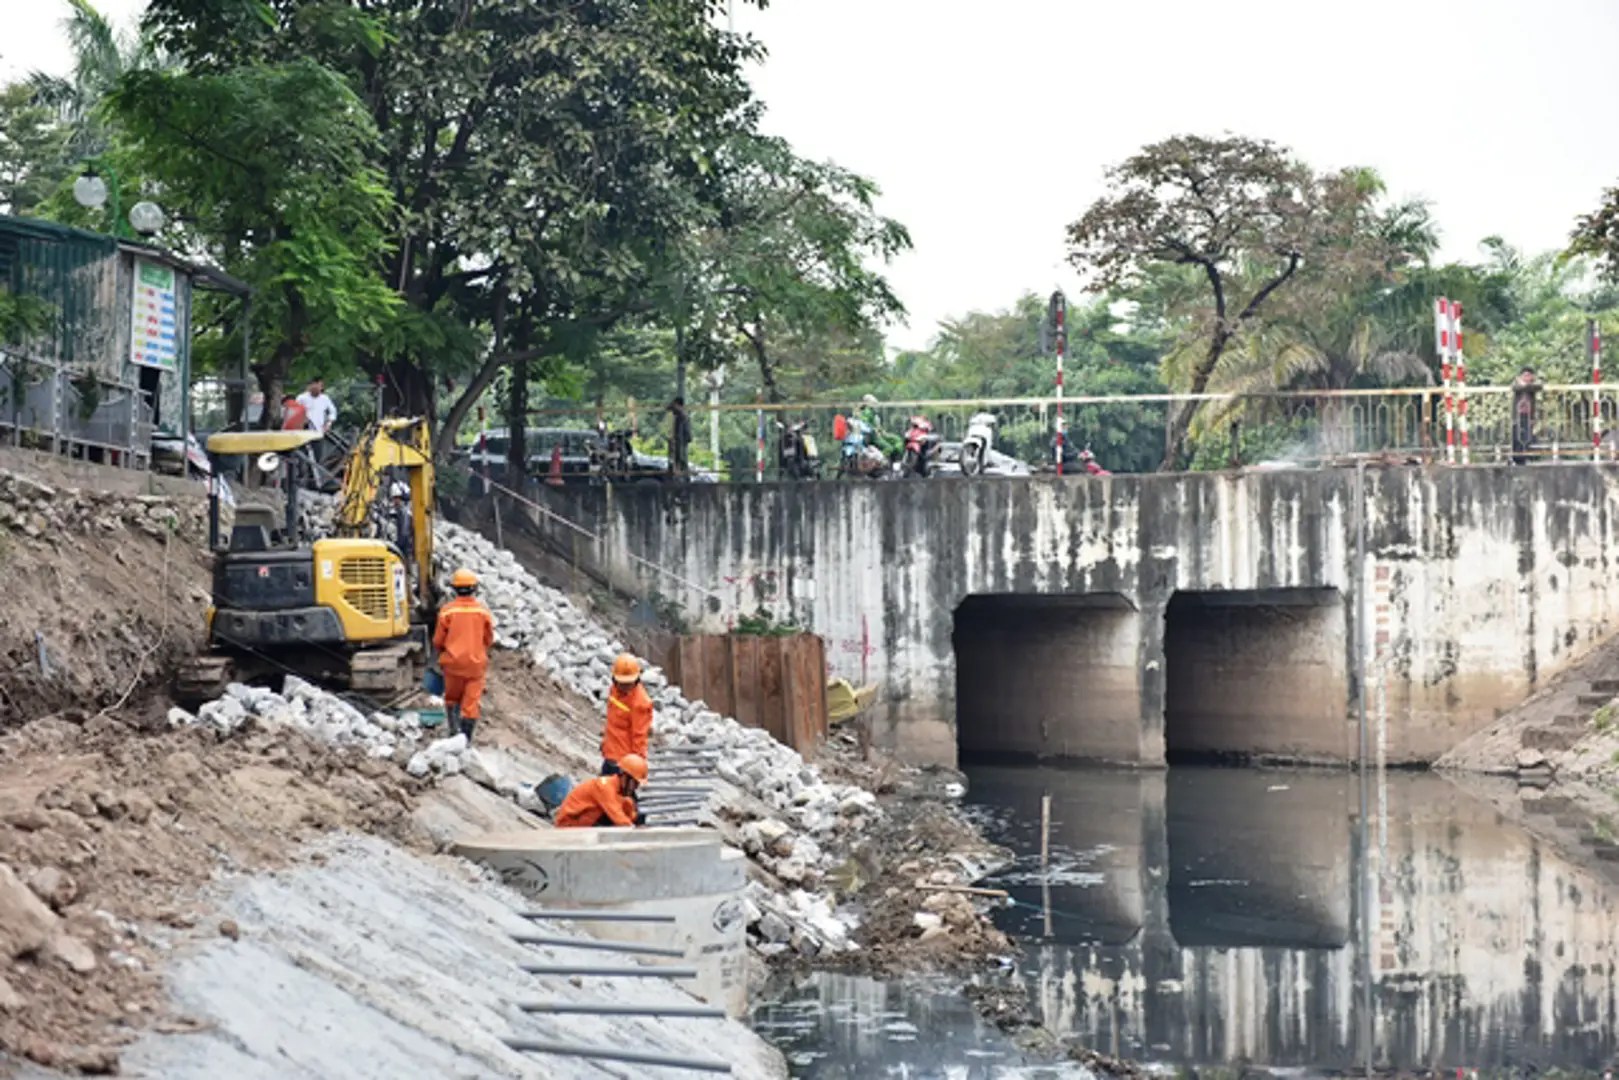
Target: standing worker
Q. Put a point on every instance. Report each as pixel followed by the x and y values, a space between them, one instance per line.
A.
pixel 629 715
pixel 605 800
pixel 465 631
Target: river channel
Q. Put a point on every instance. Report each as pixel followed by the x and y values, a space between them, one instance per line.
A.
pixel 1214 916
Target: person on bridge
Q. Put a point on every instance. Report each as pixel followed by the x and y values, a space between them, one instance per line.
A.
pixel 629 715
pixel 1524 389
pixel 605 800
pixel 465 631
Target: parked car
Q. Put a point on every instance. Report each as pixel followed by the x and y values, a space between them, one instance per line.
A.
pixel 488 456
pixel 995 462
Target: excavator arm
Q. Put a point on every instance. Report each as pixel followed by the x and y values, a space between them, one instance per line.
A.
pixel 392 444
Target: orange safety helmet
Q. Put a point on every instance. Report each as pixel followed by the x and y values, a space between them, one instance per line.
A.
pixel 626 670
pixel 464 579
pixel 633 766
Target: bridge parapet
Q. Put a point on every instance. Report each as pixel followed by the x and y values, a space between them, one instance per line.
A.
pixel 1137 616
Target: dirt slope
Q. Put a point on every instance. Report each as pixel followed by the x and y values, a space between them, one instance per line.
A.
pixel 102 594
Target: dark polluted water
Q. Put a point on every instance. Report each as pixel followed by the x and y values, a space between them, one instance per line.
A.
pixel 1220 916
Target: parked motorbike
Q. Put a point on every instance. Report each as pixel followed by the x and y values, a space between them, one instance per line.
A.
pixel 859 458
pixel 1074 458
pixel 976 446
pixel 922 448
pixel 797 456
pixel 611 458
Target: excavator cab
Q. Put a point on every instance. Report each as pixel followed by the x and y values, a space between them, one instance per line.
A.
pixel 337 610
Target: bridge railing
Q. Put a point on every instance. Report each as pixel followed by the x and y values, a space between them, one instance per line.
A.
pixel 1246 429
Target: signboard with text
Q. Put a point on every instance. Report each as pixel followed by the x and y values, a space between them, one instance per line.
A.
pixel 154 339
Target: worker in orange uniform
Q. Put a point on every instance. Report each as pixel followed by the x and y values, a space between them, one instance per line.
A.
pixel 629 715
pixel 465 631
pixel 605 800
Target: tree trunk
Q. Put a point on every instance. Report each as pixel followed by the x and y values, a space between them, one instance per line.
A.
pixel 1178 417
pixel 407 390
pixel 474 390
pixel 767 375
pixel 517 425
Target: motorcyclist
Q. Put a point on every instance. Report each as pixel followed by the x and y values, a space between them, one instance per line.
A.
pixel 1091 467
pixel 890 444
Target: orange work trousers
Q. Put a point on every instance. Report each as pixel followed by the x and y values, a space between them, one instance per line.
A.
pixel 465 691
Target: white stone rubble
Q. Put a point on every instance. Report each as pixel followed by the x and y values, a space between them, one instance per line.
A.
pixel 793 822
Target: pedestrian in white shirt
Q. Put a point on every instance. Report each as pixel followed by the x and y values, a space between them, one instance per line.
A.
pixel 320 409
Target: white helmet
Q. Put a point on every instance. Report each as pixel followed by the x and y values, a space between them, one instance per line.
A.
pixel 399 490
pixel 869 399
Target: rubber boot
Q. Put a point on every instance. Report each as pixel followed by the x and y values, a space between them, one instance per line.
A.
pixel 452 720
pixel 467 724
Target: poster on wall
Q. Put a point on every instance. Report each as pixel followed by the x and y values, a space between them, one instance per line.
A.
pixel 154 339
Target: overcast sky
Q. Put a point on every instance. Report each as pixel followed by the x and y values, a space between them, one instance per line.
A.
pixel 988 125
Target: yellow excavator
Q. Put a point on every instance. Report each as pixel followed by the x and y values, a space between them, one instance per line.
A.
pixel 340 609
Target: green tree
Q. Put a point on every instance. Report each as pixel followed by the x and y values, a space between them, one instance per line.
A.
pixel 1241 215
pixel 33 151
pixel 270 169
pixel 781 273
pixel 541 155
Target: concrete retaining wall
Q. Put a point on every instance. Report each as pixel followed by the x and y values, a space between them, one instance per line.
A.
pixel 1486 581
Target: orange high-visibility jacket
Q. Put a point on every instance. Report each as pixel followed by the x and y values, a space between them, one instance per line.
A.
pixel 592 800
pixel 629 722
pixel 465 631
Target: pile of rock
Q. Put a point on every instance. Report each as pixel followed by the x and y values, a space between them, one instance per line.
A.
pixel 774 805
pixel 328 718
pixel 40 511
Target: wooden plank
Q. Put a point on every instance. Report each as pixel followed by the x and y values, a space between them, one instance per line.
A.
pixel 807 719
pixel 773 701
pixel 717 685
pixel 745 678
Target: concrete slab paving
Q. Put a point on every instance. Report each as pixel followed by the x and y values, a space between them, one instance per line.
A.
pixel 381 963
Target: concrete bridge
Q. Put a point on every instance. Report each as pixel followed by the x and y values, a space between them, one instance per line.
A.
pixel 1134 618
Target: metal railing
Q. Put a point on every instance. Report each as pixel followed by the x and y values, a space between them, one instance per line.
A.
pixel 65 410
pixel 1245 429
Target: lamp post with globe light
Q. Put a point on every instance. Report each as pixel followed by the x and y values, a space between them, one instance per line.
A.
pixel 92 192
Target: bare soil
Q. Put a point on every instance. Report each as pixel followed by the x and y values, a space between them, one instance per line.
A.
pixel 103 595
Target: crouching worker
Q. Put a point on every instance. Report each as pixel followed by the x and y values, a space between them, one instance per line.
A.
pixel 605 800
pixel 465 631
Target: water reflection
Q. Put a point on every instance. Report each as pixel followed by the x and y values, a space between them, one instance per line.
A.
pixel 839 1027
pixel 1221 915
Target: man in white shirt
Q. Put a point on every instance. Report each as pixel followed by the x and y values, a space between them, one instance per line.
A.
pixel 320 409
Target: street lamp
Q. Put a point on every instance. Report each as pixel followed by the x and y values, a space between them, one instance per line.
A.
pixel 146 218
pixel 92 192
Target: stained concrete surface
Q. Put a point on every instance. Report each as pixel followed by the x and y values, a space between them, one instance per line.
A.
pixel 1481 581
pixel 384 964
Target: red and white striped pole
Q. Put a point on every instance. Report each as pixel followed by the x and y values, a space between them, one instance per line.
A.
pixel 1593 338
pixel 1461 375
pixel 1059 317
pixel 1441 329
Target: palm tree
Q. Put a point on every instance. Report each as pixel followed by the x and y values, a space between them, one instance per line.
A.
pixel 101 56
